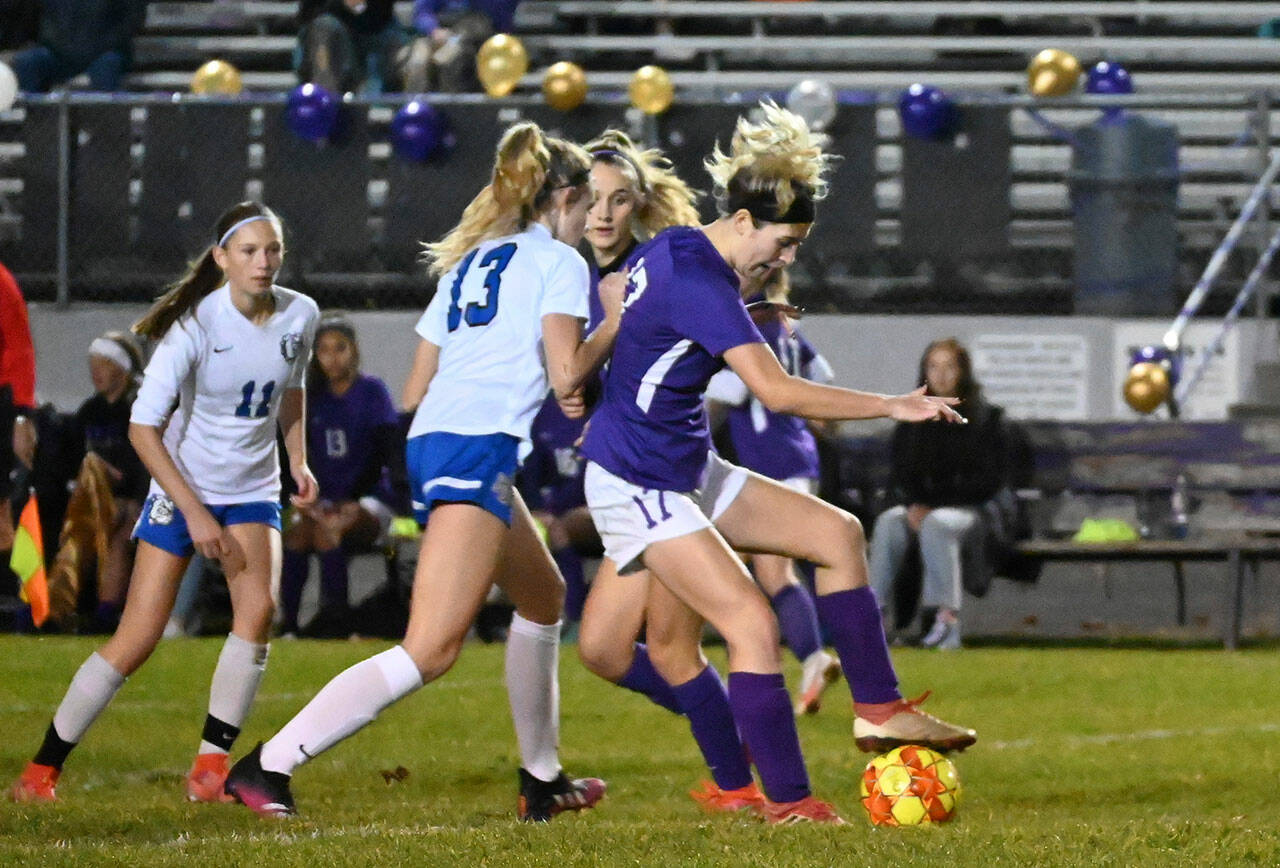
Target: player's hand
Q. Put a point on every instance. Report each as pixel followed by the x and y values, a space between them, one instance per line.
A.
pixel 916 514
pixel 233 558
pixel 308 488
pixel 918 407
pixel 573 405
pixel 206 534
pixel 612 288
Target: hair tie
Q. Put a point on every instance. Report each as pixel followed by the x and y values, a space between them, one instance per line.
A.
pixel 763 204
pixel 612 152
pixel 106 348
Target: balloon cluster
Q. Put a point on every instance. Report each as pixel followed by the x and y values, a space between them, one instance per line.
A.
pixel 420 131
pixel 1153 372
pixel 1053 72
pixel 312 111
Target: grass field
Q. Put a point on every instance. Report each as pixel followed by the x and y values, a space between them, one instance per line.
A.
pixel 1086 757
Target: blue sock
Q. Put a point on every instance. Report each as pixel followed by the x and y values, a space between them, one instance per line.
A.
pixel 644 679
pixel 763 712
pixel 705 702
pixel 798 620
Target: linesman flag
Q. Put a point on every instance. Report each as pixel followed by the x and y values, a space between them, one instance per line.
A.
pixel 27 561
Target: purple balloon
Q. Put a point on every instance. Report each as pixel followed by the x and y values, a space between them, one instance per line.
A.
pixel 1108 77
pixel 419 131
pixel 312 111
pixel 927 113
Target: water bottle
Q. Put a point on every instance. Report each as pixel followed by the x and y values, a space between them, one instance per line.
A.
pixel 1178 508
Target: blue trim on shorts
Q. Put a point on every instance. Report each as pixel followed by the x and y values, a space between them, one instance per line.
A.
pixel 462 468
pixel 164 526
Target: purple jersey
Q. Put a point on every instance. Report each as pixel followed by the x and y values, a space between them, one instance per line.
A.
pixel 681 312
pixel 346 437
pixel 551 477
pixel 778 445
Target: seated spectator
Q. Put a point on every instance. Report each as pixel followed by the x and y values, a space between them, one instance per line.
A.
pixel 352 437
pixel 449 33
pixel 550 482
pixel 347 45
pixel 110 485
pixel 944 477
pixel 80 36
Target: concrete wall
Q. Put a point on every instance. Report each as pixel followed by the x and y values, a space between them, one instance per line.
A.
pixel 877 353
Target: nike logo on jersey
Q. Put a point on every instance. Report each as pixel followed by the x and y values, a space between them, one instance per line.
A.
pixel 221 349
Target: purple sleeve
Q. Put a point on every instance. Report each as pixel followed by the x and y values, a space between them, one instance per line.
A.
pixel 383 409
pixel 709 311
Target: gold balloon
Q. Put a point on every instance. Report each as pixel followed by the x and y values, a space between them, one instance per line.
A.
pixel 1053 73
pixel 1146 387
pixel 500 64
pixel 651 90
pixel 216 76
pixel 564 86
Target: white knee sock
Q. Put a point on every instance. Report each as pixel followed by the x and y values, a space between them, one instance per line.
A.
pixel 533 686
pixel 235 684
pixel 352 699
pixel 95 682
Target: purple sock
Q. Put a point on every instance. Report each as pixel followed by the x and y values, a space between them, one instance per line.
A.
pixel 293 578
pixel 798 621
pixel 645 680
pixel 762 709
pixel 852 620
pixel 575 586
pixel 333 579
pixel 705 702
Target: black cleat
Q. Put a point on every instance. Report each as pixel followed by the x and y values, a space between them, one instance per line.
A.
pixel 265 793
pixel 542 800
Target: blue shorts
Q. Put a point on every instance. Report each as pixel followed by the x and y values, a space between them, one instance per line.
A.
pixel 164 526
pixel 462 468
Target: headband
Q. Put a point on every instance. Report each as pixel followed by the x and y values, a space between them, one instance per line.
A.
pixel 611 152
pixel 763 204
pixel 108 349
pixel 226 236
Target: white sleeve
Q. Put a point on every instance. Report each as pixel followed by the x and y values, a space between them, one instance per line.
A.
pixel 175 357
pixel 433 325
pixel 566 285
pixel 819 370
pixel 298 376
pixel 728 388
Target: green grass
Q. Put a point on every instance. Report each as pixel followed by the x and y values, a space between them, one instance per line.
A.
pixel 1087 757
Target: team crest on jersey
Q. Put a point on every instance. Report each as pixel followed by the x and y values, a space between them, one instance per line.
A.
pixel 291 346
pixel 502 488
pixel 161 511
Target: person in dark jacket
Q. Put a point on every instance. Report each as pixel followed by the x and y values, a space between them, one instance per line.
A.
pixel 344 44
pixel 942 477
pixel 80 36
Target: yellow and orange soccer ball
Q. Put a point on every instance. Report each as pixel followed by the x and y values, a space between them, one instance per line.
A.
pixel 910 786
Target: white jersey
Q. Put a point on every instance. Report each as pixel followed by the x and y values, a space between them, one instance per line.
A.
pixel 486 317
pixel 228 376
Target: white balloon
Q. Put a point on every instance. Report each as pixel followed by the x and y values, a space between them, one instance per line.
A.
pixel 8 87
pixel 815 101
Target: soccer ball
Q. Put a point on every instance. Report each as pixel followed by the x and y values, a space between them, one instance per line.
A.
pixel 910 786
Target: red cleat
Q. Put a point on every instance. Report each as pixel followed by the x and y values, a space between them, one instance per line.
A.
pixel 207 779
pixel 715 800
pixel 36 784
pixel 806 810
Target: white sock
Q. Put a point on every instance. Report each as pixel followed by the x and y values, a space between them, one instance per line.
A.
pixel 352 699
pixel 90 691
pixel 235 684
pixel 533 686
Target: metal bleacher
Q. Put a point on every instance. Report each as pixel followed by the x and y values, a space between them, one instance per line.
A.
pixel 1200 65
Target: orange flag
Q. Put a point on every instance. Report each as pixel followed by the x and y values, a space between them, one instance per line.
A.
pixel 27 561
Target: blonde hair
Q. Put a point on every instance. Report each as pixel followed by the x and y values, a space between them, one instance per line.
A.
pixel 203 275
pixel 527 168
pixel 662 198
pixel 774 156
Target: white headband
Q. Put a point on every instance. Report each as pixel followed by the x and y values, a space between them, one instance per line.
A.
pixel 234 226
pixel 111 351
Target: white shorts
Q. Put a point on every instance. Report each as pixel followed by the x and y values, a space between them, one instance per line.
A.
pixel 629 518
